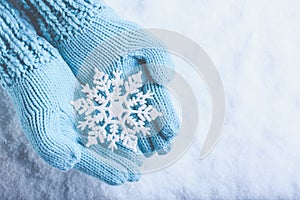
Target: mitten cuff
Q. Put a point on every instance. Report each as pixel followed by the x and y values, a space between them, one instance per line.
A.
pixel 57 19
pixel 21 49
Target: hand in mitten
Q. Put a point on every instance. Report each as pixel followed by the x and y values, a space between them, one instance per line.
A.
pixel 41 86
pixel 90 35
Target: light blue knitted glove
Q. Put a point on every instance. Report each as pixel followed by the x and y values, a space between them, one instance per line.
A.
pixel 89 35
pixel 41 86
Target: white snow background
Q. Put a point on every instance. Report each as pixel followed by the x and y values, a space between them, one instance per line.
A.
pixel 255 45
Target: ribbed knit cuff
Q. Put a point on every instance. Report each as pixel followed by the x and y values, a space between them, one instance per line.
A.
pixel 56 20
pixel 21 49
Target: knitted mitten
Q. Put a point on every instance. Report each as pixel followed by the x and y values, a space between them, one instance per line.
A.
pixel 89 34
pixel 41 86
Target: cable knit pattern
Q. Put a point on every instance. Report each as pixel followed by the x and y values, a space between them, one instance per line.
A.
pixel 15 59
pixel 90 35
pixel 41 86
pixel 58 20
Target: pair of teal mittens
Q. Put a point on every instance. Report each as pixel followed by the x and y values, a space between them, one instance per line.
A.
pixel 70 46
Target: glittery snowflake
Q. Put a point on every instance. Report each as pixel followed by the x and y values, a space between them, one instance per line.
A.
pixel 115 110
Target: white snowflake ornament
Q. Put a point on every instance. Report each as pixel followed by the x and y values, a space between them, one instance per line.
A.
pixel 115 110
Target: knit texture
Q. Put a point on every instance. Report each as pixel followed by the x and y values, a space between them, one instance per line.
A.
pixel 41 86
pixel 90 35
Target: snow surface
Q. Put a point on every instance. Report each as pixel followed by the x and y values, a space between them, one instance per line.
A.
pixel 255 46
